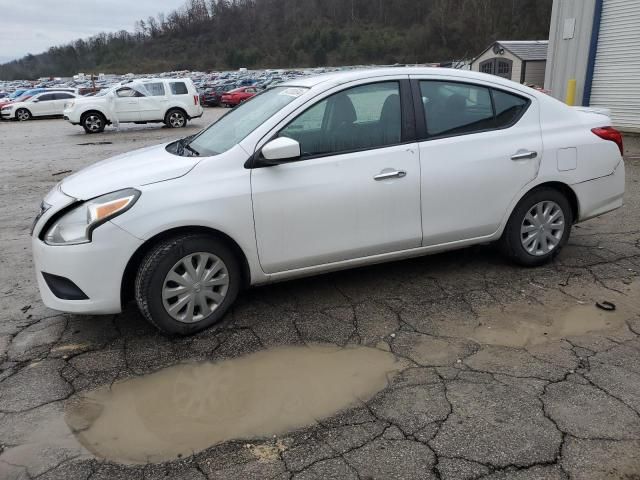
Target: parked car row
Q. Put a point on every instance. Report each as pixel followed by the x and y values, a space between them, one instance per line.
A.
pixel 170 101
pixel 227 96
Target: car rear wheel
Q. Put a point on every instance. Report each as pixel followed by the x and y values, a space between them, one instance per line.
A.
pixel 175 119
pixel 538 228
pixel 187 283
pixel 22 115
pixel 94 122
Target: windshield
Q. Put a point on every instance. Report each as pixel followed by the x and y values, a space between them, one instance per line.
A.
pixel 103 92
pixel 244 119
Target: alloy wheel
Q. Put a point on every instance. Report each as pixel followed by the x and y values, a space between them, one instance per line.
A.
pixel 176 119
pixel 542 228
pixel 195 287
pixel 22 115
pixel 93 123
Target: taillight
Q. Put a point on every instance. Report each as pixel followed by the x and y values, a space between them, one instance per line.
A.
pixel 611 134
pixel 196 99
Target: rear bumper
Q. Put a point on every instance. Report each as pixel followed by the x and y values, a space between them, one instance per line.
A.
pixel 601 195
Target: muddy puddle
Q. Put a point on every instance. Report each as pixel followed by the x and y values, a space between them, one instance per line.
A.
pixel 554 316
pixel 187 408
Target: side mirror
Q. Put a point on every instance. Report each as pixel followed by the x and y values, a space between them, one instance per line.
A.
pixel 280 150
pixel 35 100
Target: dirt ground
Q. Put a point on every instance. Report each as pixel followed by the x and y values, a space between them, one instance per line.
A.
pixel 455 366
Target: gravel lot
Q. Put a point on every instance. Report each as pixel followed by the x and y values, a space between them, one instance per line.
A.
pixel 508 373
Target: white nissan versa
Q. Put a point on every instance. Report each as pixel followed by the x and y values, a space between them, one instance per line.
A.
pixel 320 174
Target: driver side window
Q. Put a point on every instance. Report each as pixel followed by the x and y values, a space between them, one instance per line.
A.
pixel 359 118
pixel 125 92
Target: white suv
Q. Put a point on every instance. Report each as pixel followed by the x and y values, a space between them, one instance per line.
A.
pixel 172 101
pixel 45 104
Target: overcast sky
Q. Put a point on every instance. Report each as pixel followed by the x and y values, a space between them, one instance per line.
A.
pixel 32 26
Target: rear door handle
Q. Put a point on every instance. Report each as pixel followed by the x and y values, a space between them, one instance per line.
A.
pixel 390 174
pixel 524 155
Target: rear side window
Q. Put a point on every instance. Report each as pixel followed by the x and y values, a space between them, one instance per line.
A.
pixel 179 88
pixel 509 108
pixel 456 108
pixel 453 108
pixel 155 89
pixel 63 96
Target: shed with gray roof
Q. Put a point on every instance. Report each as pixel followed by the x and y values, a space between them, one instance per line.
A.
pixel 522 61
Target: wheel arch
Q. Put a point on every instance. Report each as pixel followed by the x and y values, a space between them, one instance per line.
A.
pixel 15 114
pixel 129 276
pixel 562 187
pixel 176 107
pixel 92 110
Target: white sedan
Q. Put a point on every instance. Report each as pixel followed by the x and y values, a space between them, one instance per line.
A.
pixel 45 104
pixel 320 174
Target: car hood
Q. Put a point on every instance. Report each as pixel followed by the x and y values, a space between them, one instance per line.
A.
pixel 133 169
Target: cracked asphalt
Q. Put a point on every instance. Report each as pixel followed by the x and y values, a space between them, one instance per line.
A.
pixel 513 373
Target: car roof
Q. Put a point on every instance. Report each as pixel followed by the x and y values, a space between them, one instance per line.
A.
pixel 337 78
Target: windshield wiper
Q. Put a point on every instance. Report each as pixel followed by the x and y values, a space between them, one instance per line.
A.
pixel 191 149
pixel 182 144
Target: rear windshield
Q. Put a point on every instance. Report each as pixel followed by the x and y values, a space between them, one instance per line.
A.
pixel 179 88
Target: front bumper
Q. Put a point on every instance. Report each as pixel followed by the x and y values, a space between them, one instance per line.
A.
pixel 70 116
pixel 96 268
pixel 6 114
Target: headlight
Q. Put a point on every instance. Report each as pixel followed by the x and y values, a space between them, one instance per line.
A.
pixel 8 107
pixel 76 225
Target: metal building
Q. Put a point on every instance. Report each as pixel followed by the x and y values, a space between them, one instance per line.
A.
pixel 597 44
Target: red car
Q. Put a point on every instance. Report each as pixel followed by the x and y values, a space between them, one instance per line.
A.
pixel 7 100
pixel 237 96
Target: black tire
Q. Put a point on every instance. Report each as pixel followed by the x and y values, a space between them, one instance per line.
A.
pixel 22 115
pixel 93 122
pixel 511 241
pixel 175 118
pixel 158 263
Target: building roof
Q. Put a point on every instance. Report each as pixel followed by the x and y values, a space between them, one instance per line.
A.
pixel 527 49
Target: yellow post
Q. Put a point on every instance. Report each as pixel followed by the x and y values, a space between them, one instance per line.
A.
pixel 571 92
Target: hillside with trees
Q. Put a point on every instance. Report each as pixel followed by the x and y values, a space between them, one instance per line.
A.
pixel 227 34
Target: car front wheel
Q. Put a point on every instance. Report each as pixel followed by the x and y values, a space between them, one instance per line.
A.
pixel 22 115
pixel 538 228
pixel 94 122
pixel 187 283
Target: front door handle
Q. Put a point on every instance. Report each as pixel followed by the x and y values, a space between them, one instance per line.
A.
pixel 390 174
pixel 524 155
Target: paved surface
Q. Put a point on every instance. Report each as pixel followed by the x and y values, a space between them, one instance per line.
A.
pixel 514 373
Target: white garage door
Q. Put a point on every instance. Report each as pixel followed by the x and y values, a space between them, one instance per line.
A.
pixel 616 79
